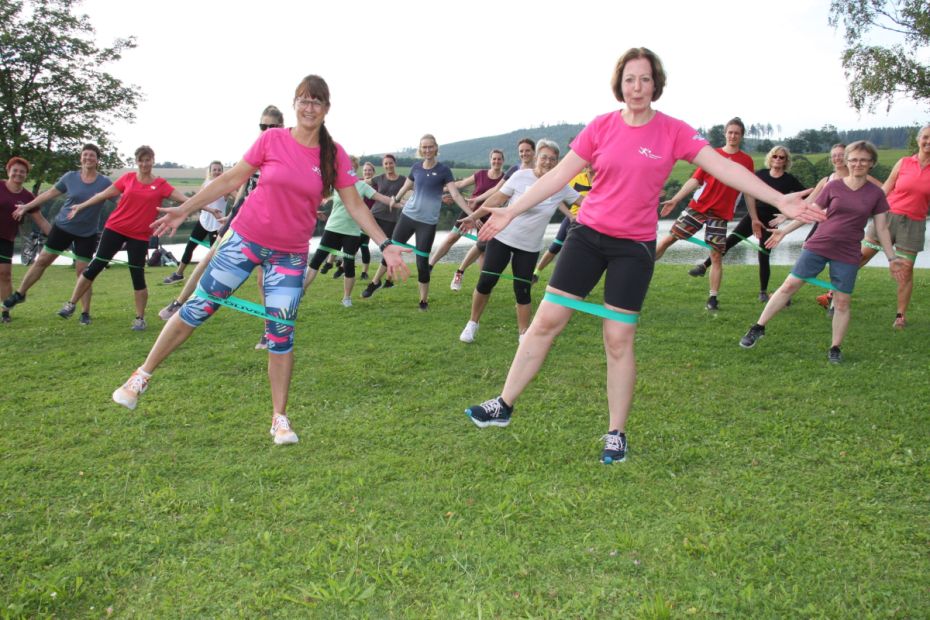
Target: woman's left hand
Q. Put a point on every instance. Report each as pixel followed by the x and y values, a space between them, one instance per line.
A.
pixel 794 206
pixel 169 222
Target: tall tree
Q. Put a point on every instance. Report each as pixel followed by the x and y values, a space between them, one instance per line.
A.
pixel 877 73
pixel 53 93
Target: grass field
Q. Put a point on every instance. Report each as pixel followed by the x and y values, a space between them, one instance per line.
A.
pixel 762 483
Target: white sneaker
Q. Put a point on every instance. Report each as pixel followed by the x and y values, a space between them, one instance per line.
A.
pixel 281 430
pixel 468 334
pixel 347 302
pixel 127 394
pixel 457 281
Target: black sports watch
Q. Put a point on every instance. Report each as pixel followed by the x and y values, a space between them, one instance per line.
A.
pixel 384 244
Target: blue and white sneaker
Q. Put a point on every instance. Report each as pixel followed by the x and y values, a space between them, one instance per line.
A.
pixel 492 412
pixel 614 448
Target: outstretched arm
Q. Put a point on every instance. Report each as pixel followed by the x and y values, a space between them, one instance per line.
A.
pixel 168 223
pixel 35 203
pixel 393 255
pixel 688 188
pixel 108 193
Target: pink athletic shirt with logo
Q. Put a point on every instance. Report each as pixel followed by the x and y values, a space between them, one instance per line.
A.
pixel 631 166
pixel 280 213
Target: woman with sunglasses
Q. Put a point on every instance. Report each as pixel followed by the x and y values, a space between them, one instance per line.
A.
pixel 300 166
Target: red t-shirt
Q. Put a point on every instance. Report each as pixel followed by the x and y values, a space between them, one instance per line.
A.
pixel 8 203
pixel 716 199
pixel 138 206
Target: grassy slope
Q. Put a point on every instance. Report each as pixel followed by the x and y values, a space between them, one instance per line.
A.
pixel 761 483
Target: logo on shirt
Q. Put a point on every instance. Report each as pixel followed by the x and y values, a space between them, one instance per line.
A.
pixel 698 136
pixel 645 152
pixel 351 172
pixel 316 169
pixel 152 187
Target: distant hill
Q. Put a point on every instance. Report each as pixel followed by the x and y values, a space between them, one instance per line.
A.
pixel 474 153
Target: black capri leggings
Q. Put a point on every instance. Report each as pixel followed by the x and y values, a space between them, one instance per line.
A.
pixel 744 230
pixel 337 241
pixel 363 248
pixel 522 263
pixel 110 243
pixel 407 227
pixel 198 234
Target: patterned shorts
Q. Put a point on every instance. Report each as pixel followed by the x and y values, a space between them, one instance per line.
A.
pixel 691 221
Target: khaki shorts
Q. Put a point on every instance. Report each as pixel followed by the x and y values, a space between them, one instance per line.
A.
pixel 907 235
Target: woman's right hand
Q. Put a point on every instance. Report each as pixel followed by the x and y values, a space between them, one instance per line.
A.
pixel 667 207
pixel 394 258
pixel 169 222
pixel 74 211
pixel 498 221
pixel 775 238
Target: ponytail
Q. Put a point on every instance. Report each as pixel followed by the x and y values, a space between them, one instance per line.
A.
pixel 327 160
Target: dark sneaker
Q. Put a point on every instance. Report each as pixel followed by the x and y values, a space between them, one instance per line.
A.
pixel 338 273
pixel 424 306
pixel 835 355
pixel 370 289
pixel 697 271
pixel 535 278
pixel 763 297
pixel 326 267
pixel 12 300
pixel 85 318
pixel 712 304
pixel 490 413
pixel 5 317
pixel 174 277
pixel 752 336
pixel 614 448
pixel 67 310
pixel 364 276
pixel 389 284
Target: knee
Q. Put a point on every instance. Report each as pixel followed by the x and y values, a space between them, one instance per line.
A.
pixel 841 303
pixel 618 341
pixel 715 257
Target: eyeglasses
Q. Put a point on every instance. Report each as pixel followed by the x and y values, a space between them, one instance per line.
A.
pixel 779 157
pixel 316 104
pixel 857 162
pixel 546 158
pixel 264 126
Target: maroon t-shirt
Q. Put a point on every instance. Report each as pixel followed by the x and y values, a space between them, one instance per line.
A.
pixel 848 211
pixel 8 203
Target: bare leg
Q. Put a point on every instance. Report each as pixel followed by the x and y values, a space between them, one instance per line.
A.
pixel 867 254
pixel 310 277
pixel 780 298
pixel 347 285
pixel 191 285
pixel 716 271
pixel 379 274
pixel 6 280
pixel 180 269
pixel 524 316
pixel 478 303
pixel 172 335
pixel 665 244
pixel 280 367
pixel 621 370
pixel 141 299
pixel 840 317
pixel 424 290
pixel 548 323
pixel 905 287
pixel 450 240
pixel 37 269
pixel 547 258
pixel 79 268
pixel 81 286
pixel 473 254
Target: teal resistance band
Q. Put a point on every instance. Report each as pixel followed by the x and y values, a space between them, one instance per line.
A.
pixel 335 252
pixel 878 248
pixel 457 231
pixel 73 256
pixel 703 244
pixel 816 282
pixel 557 242
pixel 752 244
pixel 873 246
pixel 201 242
pixel 410 247
pixel 507 276
pixel 588 307
pixel 242 305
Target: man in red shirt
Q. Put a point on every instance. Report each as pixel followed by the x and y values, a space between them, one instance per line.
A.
pixel 712 208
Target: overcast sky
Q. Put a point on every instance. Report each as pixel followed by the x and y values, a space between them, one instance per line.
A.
pixel 460 71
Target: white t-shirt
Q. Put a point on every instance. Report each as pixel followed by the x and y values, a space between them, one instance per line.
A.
pixel 526 231
pixel 207 220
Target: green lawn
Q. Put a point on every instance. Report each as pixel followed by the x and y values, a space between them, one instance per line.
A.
pixel 762 483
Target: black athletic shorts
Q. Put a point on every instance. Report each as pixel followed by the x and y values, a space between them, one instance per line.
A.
pixel 60 240
pixel 588 253
pixel 6 251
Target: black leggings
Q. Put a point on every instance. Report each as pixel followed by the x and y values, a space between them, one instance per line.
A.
pixel 744 228
pixel 337 241
pixel 363 248
pixel 110 243
pixel 555 248
pixel 407 227
pixel 522 263
pixel 198 234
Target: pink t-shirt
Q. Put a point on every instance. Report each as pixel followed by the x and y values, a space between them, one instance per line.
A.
pixel 280 213
pixel 138 205
pixel 848 211
pixel 631 165
pixel 911 194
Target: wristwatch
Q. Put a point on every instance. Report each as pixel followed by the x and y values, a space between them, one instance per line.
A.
pixel 384 244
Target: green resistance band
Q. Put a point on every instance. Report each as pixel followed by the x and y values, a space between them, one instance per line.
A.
pixel 703 244
pixel 588 307
pixel 752 244
pixel 410 247
pixel 201 242
pixel 878 248
pixel 557 242
pixel 457 231
pixel 816 282
pixel 507 276
pixel 336 252
pixel 74 256
pixel 242 305
pixel 870 245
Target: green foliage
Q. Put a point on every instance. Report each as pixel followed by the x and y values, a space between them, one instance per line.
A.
pixel 804 171
pixel 716 135
pixel 883 73
pixel 760 484
pixel 54 96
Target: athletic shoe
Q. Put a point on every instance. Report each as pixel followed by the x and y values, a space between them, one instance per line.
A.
pixel 389 284
pixel 169 311
pixel 535 278
pixel 614 448
pixel 281 430
pixel 468 334
pixel 174 277
pixel 763 297
pixel 825 299
pixel 698 270
pixel 326 267
pixel 262 344
pixel 370 289
pixel 12 300
pixel 138 325
pixel 347 302
pixel 67 310
pixel 424 306
pixel 85 318
pixel 899 322
pixel 364 276
pixel 5 317
pixel 712 303
pixel 457 280
pixel 490 413
pixel 835 356
pixel 338 273
pixel 752 336
pixel 128 394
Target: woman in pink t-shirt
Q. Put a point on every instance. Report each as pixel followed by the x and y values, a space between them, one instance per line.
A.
pixel 299 166
pixel 632 152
